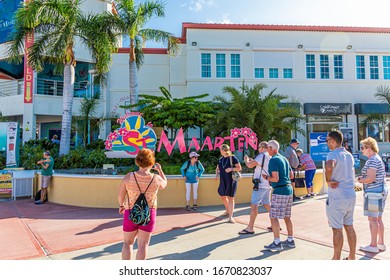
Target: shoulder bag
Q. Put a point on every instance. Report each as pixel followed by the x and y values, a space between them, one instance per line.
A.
pixel 236 175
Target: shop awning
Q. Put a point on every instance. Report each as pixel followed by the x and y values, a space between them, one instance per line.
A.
pixel 371 108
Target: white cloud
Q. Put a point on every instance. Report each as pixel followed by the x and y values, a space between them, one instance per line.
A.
pixel 198 5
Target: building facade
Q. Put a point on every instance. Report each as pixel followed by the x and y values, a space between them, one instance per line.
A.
pixel 332 72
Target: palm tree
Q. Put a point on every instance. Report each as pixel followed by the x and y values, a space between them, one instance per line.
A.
pixel 249 107
pixel 58 24
pixel 129 20
pixel 175 113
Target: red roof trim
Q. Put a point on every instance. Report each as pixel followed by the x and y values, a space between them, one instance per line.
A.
pixel 145 50
pixel 268 27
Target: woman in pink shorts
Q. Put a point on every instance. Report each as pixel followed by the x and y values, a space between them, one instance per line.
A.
pixel 128 194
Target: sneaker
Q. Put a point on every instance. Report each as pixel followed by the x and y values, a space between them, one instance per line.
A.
pixel 369 249
pixel 38 202
pixel 273 247
pixel 289 244
pixel 382 247
pixel 188 208
pixel 195 207
pixel 307 196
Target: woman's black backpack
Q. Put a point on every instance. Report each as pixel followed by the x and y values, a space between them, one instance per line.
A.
pixel 140 213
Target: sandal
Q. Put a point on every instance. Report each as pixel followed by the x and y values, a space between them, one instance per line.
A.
pixel 195 207
pixel 188 208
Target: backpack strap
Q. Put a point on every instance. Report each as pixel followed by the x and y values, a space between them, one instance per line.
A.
pixel 138 184
pixel 128 199
pixel 188 165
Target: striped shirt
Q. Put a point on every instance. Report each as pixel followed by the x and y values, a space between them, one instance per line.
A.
pixel 306 159
pixel 375 162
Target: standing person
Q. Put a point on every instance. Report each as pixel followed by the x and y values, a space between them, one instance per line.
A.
pixel 373 179
pixel 280 174
pixel 261 188
pixel 293 160
pixel 47 164
pixel 192 170
pixel 307 164
pixel 227 186
pixel 340 205
pixel 55 139
pixel 130 186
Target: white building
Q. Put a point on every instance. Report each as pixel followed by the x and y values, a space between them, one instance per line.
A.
pixel 333 72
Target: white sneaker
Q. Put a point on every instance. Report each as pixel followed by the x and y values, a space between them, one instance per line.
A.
pixel 382 247
pixel 369 249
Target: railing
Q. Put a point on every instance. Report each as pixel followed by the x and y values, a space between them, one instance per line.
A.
pixel 48 87
pixel 8 88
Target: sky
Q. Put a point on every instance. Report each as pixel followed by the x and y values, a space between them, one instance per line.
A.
pixel 372 13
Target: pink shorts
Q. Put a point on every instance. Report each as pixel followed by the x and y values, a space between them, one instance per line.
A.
pixel 129 226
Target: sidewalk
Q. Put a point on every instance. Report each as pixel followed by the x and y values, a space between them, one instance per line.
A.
pixel 59 232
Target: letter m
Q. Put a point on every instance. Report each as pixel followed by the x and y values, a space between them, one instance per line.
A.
pixel 168 146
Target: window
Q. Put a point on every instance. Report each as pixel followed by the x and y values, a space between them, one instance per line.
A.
pixel 235 66
pixel 273 73
pixel 310 66
pixel 259 73
pixel 287 73
pixel 360 70
pixel 338 67
pixel 374 67
pixel 386 67
pixel 324 66
pixel 206 65
pixel 221 65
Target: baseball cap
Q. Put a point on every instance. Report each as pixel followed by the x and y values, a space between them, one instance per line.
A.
pixel 294 141
pixel 194 154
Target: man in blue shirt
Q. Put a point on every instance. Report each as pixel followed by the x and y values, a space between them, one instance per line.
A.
pixel 340 205
pixel 280 174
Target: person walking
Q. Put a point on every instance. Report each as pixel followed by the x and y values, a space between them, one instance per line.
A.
pixel 131 186
pixel 293 160
pixel 261 187
pixel 307 164
pixel 47 164
pixel 340 204
pixel 227 163
pixel 280 175
pixel 373 177
pixel 192 170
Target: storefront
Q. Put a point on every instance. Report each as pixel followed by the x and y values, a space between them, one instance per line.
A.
pixel 372 121
pixel 324 117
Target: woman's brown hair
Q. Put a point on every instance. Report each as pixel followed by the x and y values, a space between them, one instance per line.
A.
pixel 145 158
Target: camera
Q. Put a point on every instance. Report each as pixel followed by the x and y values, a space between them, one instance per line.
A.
pixel 256 183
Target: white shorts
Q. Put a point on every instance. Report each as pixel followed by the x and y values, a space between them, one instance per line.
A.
pixel 261 196
pixel 340 212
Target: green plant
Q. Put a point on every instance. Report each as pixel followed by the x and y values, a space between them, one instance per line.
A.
pixel 31 152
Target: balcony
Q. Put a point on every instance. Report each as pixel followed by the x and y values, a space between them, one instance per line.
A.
pixel 48 87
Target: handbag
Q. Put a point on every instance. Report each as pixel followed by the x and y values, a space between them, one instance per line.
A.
pixel 373 202
pixel 299 181
pixel 236 175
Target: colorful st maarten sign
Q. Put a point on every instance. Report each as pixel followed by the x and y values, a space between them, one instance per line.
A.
pixel 134 135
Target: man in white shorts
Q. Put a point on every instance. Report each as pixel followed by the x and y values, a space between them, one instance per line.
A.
pixel 261 187
pixel 340 205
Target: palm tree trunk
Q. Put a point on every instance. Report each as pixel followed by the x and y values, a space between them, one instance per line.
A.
pixel 133 79
pixel 69 77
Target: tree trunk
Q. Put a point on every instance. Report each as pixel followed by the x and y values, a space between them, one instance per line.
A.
pixel 67 99
pixel 133 80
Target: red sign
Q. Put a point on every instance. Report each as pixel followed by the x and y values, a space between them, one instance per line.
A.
pixel 28 71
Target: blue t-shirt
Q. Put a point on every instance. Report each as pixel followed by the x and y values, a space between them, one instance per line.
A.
pixel 343 173
pixel 193 171
pixel 279 163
